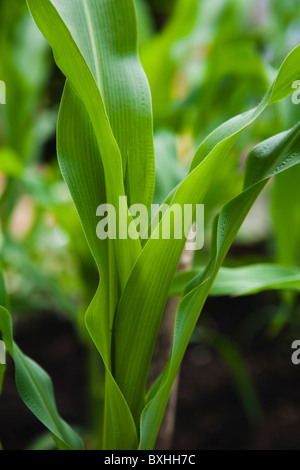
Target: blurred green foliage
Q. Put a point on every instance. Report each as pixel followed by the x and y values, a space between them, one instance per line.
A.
pixel 206 61
pixel 204 64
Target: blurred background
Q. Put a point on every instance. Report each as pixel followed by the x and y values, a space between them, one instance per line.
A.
pixel 206 61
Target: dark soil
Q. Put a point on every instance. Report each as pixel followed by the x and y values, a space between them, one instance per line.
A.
pixel 210 414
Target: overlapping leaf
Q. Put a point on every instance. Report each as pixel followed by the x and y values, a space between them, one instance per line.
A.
pixel 144 298
pixel 270 157
pixel 105 150
pixel 86 180
pixel 98 66
pixel 105 147
pixel 35 387
pixel 286 193
pixel 244 280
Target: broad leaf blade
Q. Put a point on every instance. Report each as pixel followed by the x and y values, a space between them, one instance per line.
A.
pixel 81 166
pixel 270 157
pixel 36 390
pixel 144 298
pixel 56 21
pixel 106 55
pixel 244 280
pixel 100 61
pixel 286 193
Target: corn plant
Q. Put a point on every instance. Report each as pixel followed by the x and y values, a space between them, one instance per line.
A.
pixel 105 151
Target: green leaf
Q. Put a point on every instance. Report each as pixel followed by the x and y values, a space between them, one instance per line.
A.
pixel 105 149
pixel 86 181
pixel 244 280
pixel 101 62
pixel 286 193
pixel 36 390
pixel 267 159
pixel 143 300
